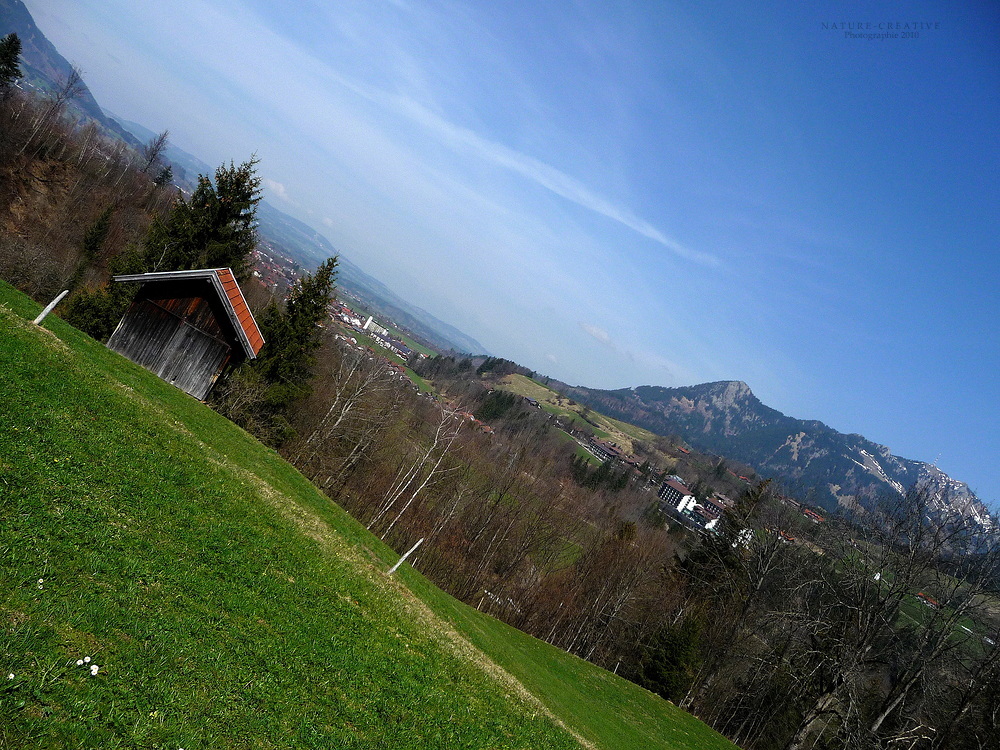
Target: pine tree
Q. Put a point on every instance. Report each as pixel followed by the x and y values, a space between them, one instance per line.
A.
pixel 10 70
pixel 281 374
pixel 671 660
pixel 164 177
pixel 214 228
pixel 293 335
pixel 93 240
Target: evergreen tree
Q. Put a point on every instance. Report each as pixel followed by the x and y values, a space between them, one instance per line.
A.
pixel 672 659
pixel 164 177
pixel 97 310
pixel 10 70
pixel 214 228
pixel 281 373
pixel 93 240
pixel 295 332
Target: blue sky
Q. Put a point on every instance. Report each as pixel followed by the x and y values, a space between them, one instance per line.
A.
pixel 619 194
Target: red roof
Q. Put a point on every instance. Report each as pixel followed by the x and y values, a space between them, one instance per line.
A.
pixel 243 314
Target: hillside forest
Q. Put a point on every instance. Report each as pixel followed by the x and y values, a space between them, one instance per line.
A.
pixel 872 629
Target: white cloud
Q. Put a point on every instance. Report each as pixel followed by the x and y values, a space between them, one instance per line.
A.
pixel 538 171
pixel 279 190
pixel 598 333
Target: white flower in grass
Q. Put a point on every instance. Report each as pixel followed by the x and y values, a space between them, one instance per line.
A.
pixel 10 676
pixel 79 662
pixel 86 660
pixel 40 582
pixel 93 669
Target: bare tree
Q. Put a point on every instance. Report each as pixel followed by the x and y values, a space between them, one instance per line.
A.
pixel 349 388
pixel 71 89
pixel 413 478
pixel 852 626
pixel 152 152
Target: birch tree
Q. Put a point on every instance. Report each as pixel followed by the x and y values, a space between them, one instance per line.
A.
pixel 413 478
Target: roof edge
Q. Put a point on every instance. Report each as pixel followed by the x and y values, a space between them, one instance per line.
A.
pixel 241 332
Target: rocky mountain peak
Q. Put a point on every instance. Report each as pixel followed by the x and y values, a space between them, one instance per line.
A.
pixel 810 458
pixel 731 393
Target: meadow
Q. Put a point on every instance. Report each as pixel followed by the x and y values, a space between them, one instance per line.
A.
pixel 170 582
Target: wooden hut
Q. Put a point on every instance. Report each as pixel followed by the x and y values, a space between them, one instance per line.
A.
pixel 187 327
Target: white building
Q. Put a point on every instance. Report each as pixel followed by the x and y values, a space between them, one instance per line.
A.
pixel 676 495
pixel 371 325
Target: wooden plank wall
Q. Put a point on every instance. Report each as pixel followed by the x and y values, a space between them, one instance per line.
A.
pixel 178 339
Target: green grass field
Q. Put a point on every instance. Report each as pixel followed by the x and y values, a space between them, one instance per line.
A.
pixel 603 427
pixel 364 340
pixel 227 604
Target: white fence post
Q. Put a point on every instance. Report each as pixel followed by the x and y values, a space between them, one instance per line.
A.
pixel 403 558
pixel 52 304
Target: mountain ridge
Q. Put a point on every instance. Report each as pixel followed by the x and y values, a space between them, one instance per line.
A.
pixel 812 459
pixel 47 70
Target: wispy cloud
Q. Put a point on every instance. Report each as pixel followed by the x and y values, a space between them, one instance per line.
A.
pixel 539 172
pixel 665 369
pixel 598 333
pixel 279 190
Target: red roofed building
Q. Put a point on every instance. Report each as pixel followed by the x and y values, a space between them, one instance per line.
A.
pixel 928 600
pixel 187 327
pixel 812 515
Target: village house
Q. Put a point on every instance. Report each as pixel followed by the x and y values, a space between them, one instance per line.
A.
pixel 374 328
pixel 812 515
pixel 606 450
pixel 928 601
pixel 397 347
pixel 716 505
pixel 703 518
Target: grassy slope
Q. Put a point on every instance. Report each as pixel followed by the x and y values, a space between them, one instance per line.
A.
pixel 364 340
pixel 620 432
pixel 227 603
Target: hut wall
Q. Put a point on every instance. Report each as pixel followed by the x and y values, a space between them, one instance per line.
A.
pixel 179 339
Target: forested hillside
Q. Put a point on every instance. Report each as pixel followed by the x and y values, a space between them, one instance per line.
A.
pixel 171 582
